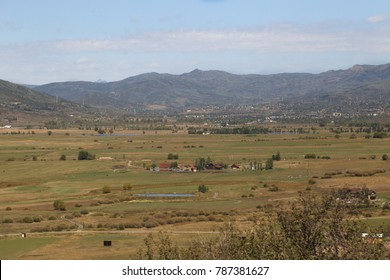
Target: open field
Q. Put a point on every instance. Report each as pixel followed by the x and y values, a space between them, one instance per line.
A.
pixel 32 177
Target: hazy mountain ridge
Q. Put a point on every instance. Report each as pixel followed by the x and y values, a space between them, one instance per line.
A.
pixel 200 88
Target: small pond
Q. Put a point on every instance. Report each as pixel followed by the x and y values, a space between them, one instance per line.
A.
pixel 165 195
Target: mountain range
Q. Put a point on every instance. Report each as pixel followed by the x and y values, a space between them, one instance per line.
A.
pixel 202 88
pixel 361 89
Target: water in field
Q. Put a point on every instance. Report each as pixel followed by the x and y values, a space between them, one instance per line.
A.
pixel 166 195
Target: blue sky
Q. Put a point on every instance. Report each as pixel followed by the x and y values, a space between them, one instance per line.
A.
pixel 43 41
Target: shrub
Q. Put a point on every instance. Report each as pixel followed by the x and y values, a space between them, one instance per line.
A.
pixel 173 156
pixel 84 212
pixel 380 135
pixel 385 157
pixel 37 219
pixel 49 132
pixel 28 220
pixel 106 189
pixel 202 188
pixel 52 218
pixel 312 181
pixel 84 155
pixel 310 156
pixel 8 209
pixel 8 221
pixel 273 188
pixel 63 157
pixel 59 205
pixel 34 158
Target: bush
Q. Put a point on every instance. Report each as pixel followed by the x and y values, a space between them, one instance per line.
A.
pixel 52 218
pixel 84 155
pixel 276 157
pixel 37 219
pixel 84 212
pixel 311 228
pixel 173 156
pixel 8 209
pixel 385 157
pixel 27 220
pixel 59 205
pixel 380 135
pixel 63 157
pixel 106 189
pixel 8 221
pixel 310 156
pixel 202 188
pixel 273 189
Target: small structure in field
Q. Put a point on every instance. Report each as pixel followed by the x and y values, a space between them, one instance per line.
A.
pixel 372 195
pixel 235 167
pixel 164 166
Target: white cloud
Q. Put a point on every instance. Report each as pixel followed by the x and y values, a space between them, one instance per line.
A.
pixel 378 18
pixel 262 40
pixel 178 50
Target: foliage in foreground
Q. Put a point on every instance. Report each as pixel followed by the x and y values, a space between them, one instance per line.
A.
pixel 312 228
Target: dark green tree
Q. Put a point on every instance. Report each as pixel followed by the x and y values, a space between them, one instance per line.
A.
pixel 269 164
pixel 84 155
pixel 276 157
pixel 202 188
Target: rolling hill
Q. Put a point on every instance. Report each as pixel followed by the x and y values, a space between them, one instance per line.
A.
pixel 201 88
pixel 27 105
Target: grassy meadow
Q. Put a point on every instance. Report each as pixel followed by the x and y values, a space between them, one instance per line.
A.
pixel 32 177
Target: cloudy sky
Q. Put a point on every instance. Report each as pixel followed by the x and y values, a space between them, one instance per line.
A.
pixel 43 41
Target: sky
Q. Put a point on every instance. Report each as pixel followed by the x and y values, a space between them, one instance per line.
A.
pixel 43 41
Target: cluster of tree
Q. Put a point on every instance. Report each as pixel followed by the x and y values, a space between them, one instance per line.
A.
pixel 52 124
pixel 102 130
pixel 276 157
pixel 226 130
pixel 258 165
pixel 202 163
pixel 310 156
pixel 311 228
pixel 380 135
pixel 85 155
pixel 173 156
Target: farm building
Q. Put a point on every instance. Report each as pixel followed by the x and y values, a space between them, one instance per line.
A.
pixel 164 166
